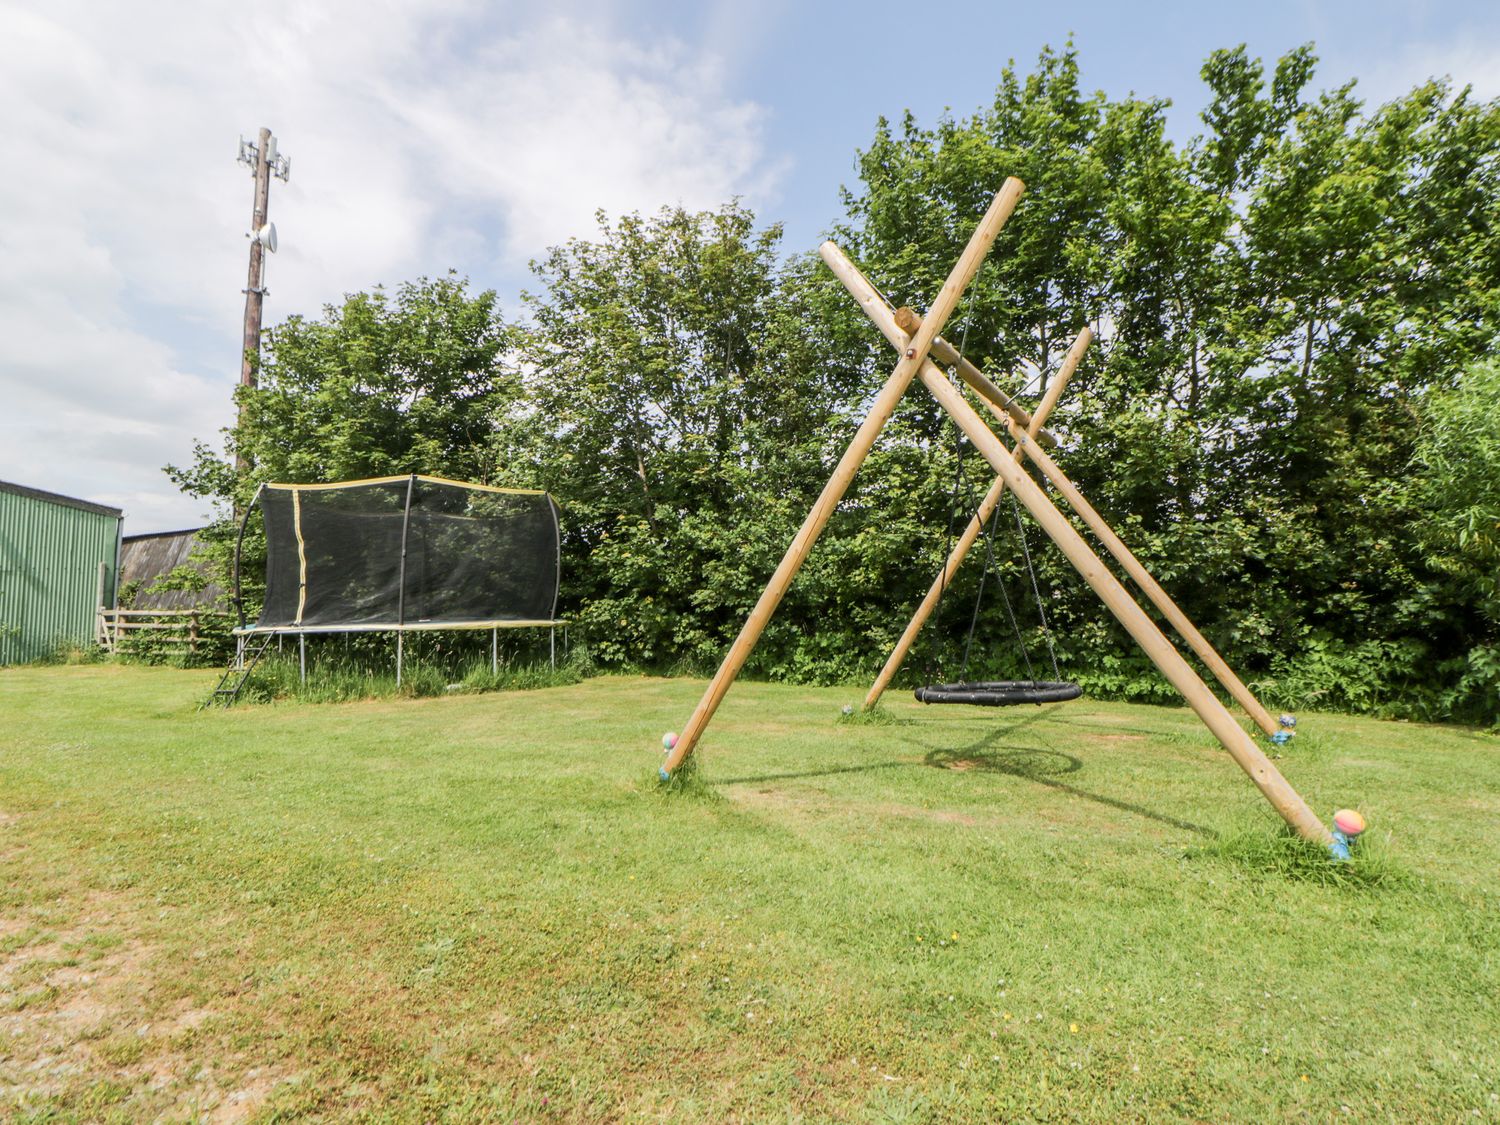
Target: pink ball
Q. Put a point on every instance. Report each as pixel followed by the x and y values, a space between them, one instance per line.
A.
pixel 1349 822
pixel 669 740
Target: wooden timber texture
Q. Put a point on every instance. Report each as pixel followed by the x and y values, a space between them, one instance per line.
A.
pixel 904 321
pixel 1149 586
pixel 908 321
pixel 971 533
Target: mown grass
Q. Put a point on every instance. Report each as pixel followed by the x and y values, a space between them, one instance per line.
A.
pixel 482 907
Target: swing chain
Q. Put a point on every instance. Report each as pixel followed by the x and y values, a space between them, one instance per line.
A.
pixel 1036 591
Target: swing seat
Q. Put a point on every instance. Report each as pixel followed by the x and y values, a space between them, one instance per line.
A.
pixel 1000 693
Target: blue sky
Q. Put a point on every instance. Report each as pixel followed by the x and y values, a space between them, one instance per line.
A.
pixel 829 71
pixel 466 135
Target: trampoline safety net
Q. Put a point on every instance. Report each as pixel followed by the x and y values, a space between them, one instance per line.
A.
pixel 405 552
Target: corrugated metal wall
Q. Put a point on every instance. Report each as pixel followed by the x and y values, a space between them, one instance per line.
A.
pixel 49 574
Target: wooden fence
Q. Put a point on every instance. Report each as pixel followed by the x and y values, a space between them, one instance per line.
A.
pixel 174 628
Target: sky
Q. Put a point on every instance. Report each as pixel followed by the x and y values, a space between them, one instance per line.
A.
pixel 471 136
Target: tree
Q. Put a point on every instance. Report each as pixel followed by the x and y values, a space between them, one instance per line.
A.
pixel 1276 300
pixel 381 385
pixel 1457 483
pixel 677 399
pixel 1295 310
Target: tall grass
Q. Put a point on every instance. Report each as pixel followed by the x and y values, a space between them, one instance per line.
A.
pixel 345 677
pixel 1285 855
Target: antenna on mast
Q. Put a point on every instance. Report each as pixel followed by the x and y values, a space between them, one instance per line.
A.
pixel 264 162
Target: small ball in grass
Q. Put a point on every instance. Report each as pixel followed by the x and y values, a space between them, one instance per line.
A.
pixel 848 709
pixel 669 740
pixel 1349 822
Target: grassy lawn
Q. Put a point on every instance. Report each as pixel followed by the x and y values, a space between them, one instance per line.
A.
pixel 480 908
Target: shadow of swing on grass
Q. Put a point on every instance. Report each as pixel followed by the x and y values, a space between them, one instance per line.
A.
pixel 1117 730
pixel 1044 767
pixel 990 754
pixel 829 771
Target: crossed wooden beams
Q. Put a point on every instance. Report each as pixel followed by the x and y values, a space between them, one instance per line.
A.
pixel 916 340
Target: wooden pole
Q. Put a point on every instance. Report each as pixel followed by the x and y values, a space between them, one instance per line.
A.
pixel 976 525
pixel 1070 365
pixel 254 291
pixel 1267 778
pixel 1241 747
pixel 101 638
pixel 914 355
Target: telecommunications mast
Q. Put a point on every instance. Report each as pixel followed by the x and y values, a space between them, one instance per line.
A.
pixel 264 162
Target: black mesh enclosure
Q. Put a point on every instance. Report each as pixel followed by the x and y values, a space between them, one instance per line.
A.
pixel 473 556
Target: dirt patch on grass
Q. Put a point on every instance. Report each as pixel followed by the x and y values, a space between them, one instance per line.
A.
pixel 238 1104
pixel 769 797
pixel 940 816
pixel 78 1016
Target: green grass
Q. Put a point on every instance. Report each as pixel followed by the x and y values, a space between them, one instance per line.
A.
pixel 341 679
pixel 482 907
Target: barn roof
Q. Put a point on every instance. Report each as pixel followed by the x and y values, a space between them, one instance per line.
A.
pixel 145 558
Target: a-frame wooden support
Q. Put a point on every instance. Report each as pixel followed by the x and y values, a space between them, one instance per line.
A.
pixel 914 353
pixel 914 362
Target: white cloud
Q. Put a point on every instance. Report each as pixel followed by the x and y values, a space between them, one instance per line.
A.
pixel 547 137
pixel 1475 63
pixel 422 137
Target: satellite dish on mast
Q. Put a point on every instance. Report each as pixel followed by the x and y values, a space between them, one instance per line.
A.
pixel 266 236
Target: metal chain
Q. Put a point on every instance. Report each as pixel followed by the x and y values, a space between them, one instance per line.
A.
pixel 1036 591
pixel 1010 613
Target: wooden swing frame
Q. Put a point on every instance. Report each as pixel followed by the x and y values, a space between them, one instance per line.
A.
pixel 916 340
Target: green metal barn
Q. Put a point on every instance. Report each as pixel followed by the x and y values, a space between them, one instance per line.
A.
pixel 59 558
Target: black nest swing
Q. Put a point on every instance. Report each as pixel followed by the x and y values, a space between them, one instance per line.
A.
pixel 1000 693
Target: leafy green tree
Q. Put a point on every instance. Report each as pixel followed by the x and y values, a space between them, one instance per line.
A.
pixel 1457 483
pixel 1285 415
pixel 1276 300
pixel 382 385
pixel 678 397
